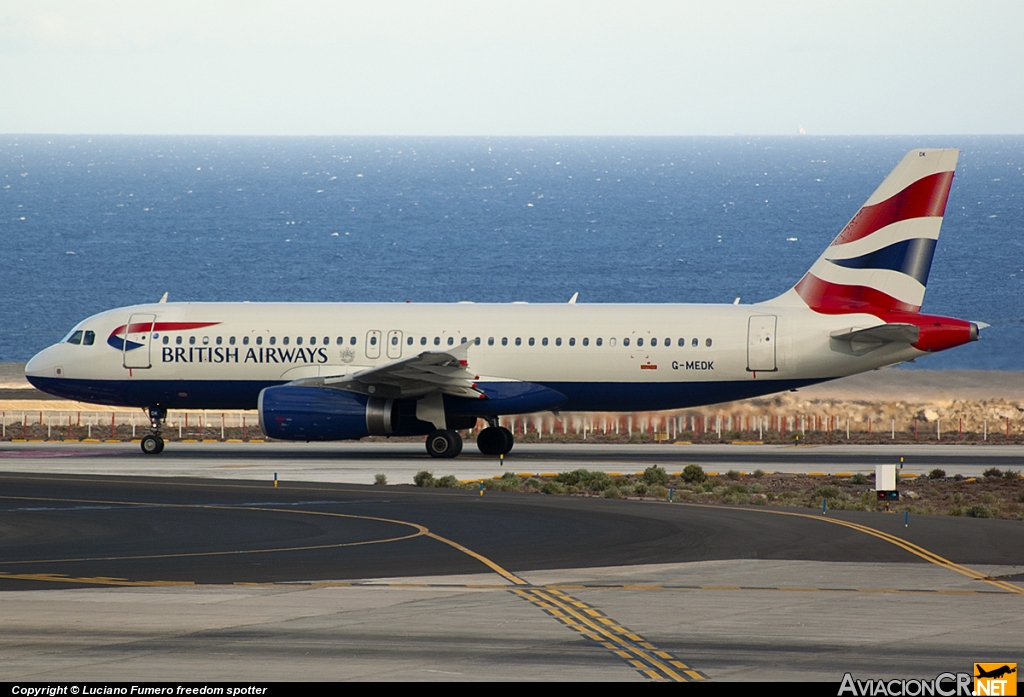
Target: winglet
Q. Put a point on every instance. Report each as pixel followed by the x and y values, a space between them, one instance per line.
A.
pixel 572 300
pixel 163 299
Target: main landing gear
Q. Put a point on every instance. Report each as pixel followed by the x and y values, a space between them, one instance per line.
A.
pixel 153 443
pixel 495 440
pixel 444 443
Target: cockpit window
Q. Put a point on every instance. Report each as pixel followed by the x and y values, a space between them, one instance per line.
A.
pixel 89 338
pixel 75 338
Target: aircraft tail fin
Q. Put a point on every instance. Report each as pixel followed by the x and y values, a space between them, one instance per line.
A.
pixel 881 259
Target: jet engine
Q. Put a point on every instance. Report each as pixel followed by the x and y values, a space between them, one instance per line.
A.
pixel 292 412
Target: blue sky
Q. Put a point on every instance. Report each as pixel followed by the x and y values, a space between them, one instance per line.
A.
pixel 447 67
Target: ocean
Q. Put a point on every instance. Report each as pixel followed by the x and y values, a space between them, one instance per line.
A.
pixel 88 223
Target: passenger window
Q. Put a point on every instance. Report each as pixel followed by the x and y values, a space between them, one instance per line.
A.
pixel 544 341
pixel 598 341
pixel 504 341
pixel 451 340
pixel 167 340
pixel 695 342
pixel 373 341
pixel 625 342
pixel 408 341
pixel 231 340
pixel 76 338
pixel 572 341
pixel 339 341
pixel 519 342
pixel 219 341
pixel 531 341
pixel 640 342
pixel 668 342
pixel 461 341
pixel 352 341
pixel 437 341
pixel 206 340
pixel 423 341
pixel 682 342
pixel 259 341
pixel 394 341
pixel 490 341
pixel 88 338
pixel 273 340
pixel 192 340
pixel 476 341
pixel 312 341
pixel 298 340
pixel 708 342
pixel 245 340
pixel 611 342
pixel 327 341
pixel 586 341
pixel 558 341
pixel 285 341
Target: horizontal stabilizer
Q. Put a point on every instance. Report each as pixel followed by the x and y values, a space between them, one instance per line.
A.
pixel 857 342
pixel 882 334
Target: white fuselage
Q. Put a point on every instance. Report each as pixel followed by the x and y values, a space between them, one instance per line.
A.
pixel 602 357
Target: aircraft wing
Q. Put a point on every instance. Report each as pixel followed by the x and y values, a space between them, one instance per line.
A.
pixel 445 372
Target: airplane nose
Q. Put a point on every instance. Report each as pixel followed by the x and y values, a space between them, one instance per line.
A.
pixel 42 365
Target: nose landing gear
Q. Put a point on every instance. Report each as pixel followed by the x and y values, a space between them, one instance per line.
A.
pixel 153 443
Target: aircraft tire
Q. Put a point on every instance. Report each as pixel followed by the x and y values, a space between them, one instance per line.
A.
pixel 510 440
pixel 492 441
pixel 152 445
pixel 444 444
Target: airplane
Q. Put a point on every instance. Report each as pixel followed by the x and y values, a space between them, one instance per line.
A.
pixel 995 672
pixel 341 371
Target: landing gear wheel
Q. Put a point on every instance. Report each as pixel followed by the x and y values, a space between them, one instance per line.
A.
pixel 494 440
pixel 510 440
pixel 152 445
pixel 446 444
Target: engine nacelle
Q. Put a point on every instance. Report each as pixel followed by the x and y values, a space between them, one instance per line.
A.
pixel 290 412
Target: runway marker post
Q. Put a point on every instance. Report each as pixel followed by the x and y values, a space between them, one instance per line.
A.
pixel 824 506
pixel 275 480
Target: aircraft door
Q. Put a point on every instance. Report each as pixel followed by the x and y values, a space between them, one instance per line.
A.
pixel 394 344
pixel 761 343
pixel 373 344
pixel 138 334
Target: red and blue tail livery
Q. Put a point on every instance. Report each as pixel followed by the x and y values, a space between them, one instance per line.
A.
pixel 881 259
pixel 338 371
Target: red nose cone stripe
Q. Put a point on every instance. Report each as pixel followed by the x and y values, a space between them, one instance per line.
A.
pixel 924 198
pixel 834 298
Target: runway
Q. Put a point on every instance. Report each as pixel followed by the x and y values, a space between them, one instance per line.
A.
pixel 122 577
pixel 359 463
